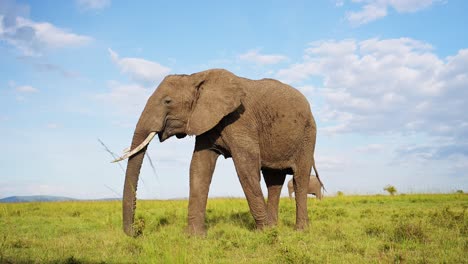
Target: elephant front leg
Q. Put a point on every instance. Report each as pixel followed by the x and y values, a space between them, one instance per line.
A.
pixel 274 180
pixel 201 173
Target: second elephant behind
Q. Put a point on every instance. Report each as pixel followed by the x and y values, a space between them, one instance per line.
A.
pixel 315 187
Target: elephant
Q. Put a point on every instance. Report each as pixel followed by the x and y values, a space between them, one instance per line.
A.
pixel 315 187
pixel 265 126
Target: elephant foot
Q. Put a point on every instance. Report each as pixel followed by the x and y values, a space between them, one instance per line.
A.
pixel 272 221
pixel 196 232
pixel 302 225
pixel 265 224
pixel 272 224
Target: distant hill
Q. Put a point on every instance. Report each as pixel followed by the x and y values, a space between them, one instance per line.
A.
pixel 104 199
pixel 35 198
pixel 48 198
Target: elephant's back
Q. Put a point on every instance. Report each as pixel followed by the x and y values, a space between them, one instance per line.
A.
pixel 278 98
pixel 280 92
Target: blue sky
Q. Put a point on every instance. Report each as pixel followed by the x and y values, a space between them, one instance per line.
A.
pixel 387 81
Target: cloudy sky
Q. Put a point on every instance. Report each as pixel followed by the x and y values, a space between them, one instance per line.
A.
pixel 387 81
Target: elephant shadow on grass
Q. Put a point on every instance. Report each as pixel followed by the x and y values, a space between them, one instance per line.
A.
pixel 241 219
pixel 67 260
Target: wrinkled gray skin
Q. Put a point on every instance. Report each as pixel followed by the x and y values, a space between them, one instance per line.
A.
pixel 315 187
pixel 250 121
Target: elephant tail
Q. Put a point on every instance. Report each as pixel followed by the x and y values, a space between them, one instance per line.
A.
pixel 318 177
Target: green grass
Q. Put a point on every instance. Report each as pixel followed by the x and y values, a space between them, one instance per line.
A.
pixel 346 229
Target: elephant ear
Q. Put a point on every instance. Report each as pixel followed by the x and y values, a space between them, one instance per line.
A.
pixel 217 94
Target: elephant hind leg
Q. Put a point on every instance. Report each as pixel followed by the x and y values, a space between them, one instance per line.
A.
pixel 274 180
pixel 301 182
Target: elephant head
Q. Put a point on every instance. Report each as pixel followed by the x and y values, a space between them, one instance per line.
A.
pixel 181 105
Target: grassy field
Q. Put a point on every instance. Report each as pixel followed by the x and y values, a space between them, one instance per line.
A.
pixel 348 229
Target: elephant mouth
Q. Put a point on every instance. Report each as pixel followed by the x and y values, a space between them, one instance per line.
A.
pixel 162 136
pixel 172 127
pixel 165 135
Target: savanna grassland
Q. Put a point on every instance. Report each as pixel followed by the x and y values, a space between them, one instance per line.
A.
pixel 347 229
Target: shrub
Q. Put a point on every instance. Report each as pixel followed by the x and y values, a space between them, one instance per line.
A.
pixel 272 236
pixel 289 254
pixel 409 231
pixel 72 260
pixel 374 230
pixel 139 226
pixel 390 189
pixel 75 214
pixel 450 218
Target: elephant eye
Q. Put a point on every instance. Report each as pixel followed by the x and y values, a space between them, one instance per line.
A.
pixel 167 100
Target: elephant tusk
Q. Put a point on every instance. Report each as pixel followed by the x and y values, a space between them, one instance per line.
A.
pixel 137 149
pixel 126 150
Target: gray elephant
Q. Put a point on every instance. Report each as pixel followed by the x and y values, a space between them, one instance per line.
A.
pixel 315 187
pixel 263 125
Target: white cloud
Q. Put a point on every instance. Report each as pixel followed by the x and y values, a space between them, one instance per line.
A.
pixel 53 126
pixel 308 90
pixel 451 151
pixel 93 4
pixel 339 3
pixel 140 70
pixel 406 6
pixel 396 86
pixel 369 13
pixel 52 36
pixel 371 148
pixel 22 91
pixel 128 99
pixel 372 10
pixel 43 66
pixel 335 162
pixel 10 9
pixel 330 47
pixel 33 38
pixel 262 59
pixel 26 89
pixel 33 189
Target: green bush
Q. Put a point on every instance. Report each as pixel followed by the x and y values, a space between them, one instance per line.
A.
pixel 390 189
pixel 409 231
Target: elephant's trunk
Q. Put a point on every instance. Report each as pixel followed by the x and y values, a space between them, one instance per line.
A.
pixel 131 183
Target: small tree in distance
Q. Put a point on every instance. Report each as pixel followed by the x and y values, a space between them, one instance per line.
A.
pixel 390 189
